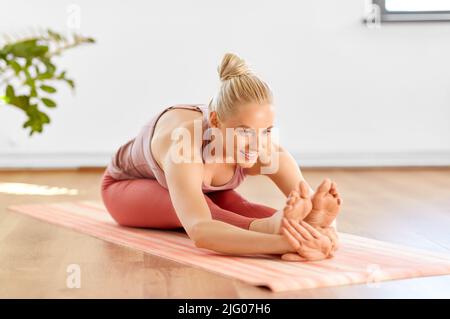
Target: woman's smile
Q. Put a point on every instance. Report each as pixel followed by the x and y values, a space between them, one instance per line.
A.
pixel 250 156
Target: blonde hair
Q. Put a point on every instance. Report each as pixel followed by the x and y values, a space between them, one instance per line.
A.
pixel 239 86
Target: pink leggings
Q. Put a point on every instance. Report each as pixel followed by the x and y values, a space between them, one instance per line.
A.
pixel 145 203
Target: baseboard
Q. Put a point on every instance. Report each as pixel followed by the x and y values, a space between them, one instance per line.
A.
pixel 54 160
pixel 306 159
pixel 373 159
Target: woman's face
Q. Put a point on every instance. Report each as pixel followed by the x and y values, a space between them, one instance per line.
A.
pixel 247 133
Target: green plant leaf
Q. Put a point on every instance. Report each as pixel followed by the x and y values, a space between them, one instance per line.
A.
pixel 36 119
pixel 33 92
pixel 62 75
pixel 70 82
pixel 30 82
pixel 27 49
pixel 51 68
pixel 47 88
pixel 21 101
pixel 48 102
pixel 10 92
pixel 27 74
pixel 56 36
pixel 44 118
pixel 15 66
pixel 5 99
pixel 44 76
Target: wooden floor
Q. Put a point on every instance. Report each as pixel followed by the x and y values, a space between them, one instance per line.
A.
pixel 407 206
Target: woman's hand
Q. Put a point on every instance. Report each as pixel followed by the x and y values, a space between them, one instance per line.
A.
pixel 309 243
pixel 331 233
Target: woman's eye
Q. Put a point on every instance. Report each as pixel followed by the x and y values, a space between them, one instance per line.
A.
pixel 245 132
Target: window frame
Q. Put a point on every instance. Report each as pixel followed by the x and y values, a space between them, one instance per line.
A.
pixel 409 16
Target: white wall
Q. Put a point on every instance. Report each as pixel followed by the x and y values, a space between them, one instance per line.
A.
pixel 345 94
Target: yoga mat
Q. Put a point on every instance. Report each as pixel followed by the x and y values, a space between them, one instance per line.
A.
pixel 359 259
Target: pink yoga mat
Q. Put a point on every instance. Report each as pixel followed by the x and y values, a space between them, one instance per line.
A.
pixel 359 260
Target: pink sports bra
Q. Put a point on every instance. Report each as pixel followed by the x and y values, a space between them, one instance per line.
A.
pixel 134 159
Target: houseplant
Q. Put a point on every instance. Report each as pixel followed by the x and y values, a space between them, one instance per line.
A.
pixel 28 73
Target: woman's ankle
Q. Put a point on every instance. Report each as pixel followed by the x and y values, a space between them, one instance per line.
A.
pixel 269 225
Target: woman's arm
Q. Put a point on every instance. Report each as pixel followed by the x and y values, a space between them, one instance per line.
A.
pixel 184 181
pixel 226 238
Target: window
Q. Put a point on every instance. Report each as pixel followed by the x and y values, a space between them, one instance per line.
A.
pixel 413 10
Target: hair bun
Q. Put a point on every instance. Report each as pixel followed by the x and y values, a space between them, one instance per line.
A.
pixel 232 66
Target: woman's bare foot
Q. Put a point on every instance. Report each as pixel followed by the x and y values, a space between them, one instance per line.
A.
pixel 326 205
pixel 298 205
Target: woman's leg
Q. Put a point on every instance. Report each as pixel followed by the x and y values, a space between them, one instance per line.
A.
pixel 267 219
pixel 145 203
pixel 233 201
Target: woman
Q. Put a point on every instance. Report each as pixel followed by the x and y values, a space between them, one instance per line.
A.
pixel 159 180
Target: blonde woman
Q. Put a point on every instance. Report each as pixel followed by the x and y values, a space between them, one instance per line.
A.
pixel 159 180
